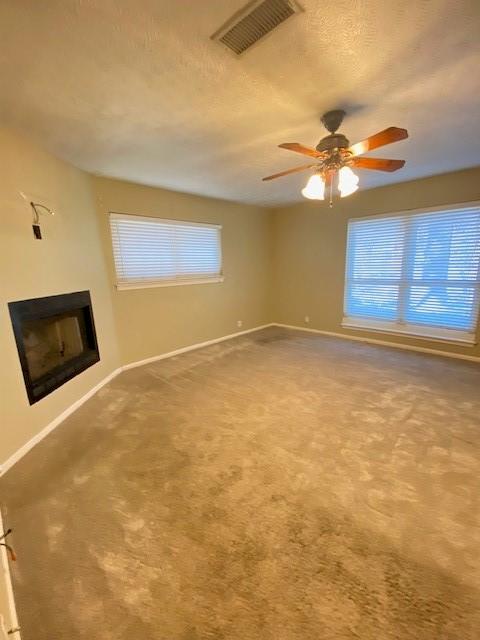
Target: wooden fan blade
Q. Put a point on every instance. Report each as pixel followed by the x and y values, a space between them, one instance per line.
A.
pixel 300 148
pixel 387 136
pixel 287 171
pixel 378 164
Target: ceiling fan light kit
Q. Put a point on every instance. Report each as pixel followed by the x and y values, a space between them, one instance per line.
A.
pixel 347 182
pixel 315 188
pixel 335 158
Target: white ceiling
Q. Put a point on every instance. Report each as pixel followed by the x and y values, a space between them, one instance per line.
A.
pixel 135 89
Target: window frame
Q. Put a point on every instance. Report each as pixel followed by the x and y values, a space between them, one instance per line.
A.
pixel 167 282
pixel 398 328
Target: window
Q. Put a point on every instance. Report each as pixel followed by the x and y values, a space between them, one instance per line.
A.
pixel 152 252
pixel 416 274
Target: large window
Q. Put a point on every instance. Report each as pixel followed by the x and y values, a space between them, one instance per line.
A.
pixel 415 273
pixel 153 252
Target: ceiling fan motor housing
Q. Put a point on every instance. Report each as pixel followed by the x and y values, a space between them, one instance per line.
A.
pixel 333 141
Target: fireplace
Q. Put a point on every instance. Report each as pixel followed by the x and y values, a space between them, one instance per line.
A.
pixel 55 338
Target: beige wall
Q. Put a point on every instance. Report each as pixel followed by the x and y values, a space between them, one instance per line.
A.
pixel 309 241
pixel 157 320
pixel 69 258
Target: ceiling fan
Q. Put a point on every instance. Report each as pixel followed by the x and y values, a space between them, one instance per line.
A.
pixel 334 155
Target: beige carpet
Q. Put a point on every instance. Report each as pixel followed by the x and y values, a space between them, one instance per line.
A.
pixel 280 486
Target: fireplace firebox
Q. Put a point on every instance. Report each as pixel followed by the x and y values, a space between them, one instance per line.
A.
pixel 55 338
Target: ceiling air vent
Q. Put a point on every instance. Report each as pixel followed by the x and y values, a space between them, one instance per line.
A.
pixel 254 22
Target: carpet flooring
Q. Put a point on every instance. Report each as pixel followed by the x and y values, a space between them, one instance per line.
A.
pixel 278 486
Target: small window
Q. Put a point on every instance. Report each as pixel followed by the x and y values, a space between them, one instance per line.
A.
pixel 152 252
pixel 415 274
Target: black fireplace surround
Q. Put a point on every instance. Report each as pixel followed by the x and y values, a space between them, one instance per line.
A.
pixel 55 338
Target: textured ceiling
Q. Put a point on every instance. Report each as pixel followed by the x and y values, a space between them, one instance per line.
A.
pixel 135 89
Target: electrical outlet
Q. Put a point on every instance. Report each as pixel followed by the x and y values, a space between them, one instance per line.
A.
pixel 307 319
pixel 239 323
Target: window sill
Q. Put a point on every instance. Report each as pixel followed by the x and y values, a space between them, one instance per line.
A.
pixel 123 286
pixel 432 334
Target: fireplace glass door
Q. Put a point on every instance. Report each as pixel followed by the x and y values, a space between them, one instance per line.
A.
pixel 52 342
pixel 55 338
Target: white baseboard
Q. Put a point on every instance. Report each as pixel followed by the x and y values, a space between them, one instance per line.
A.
pixel 384 343
pixel 192 347
pixel 8 616
pixel 24 449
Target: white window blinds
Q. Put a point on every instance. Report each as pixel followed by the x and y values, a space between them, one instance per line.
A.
pixel 416 274
pixel 154 251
